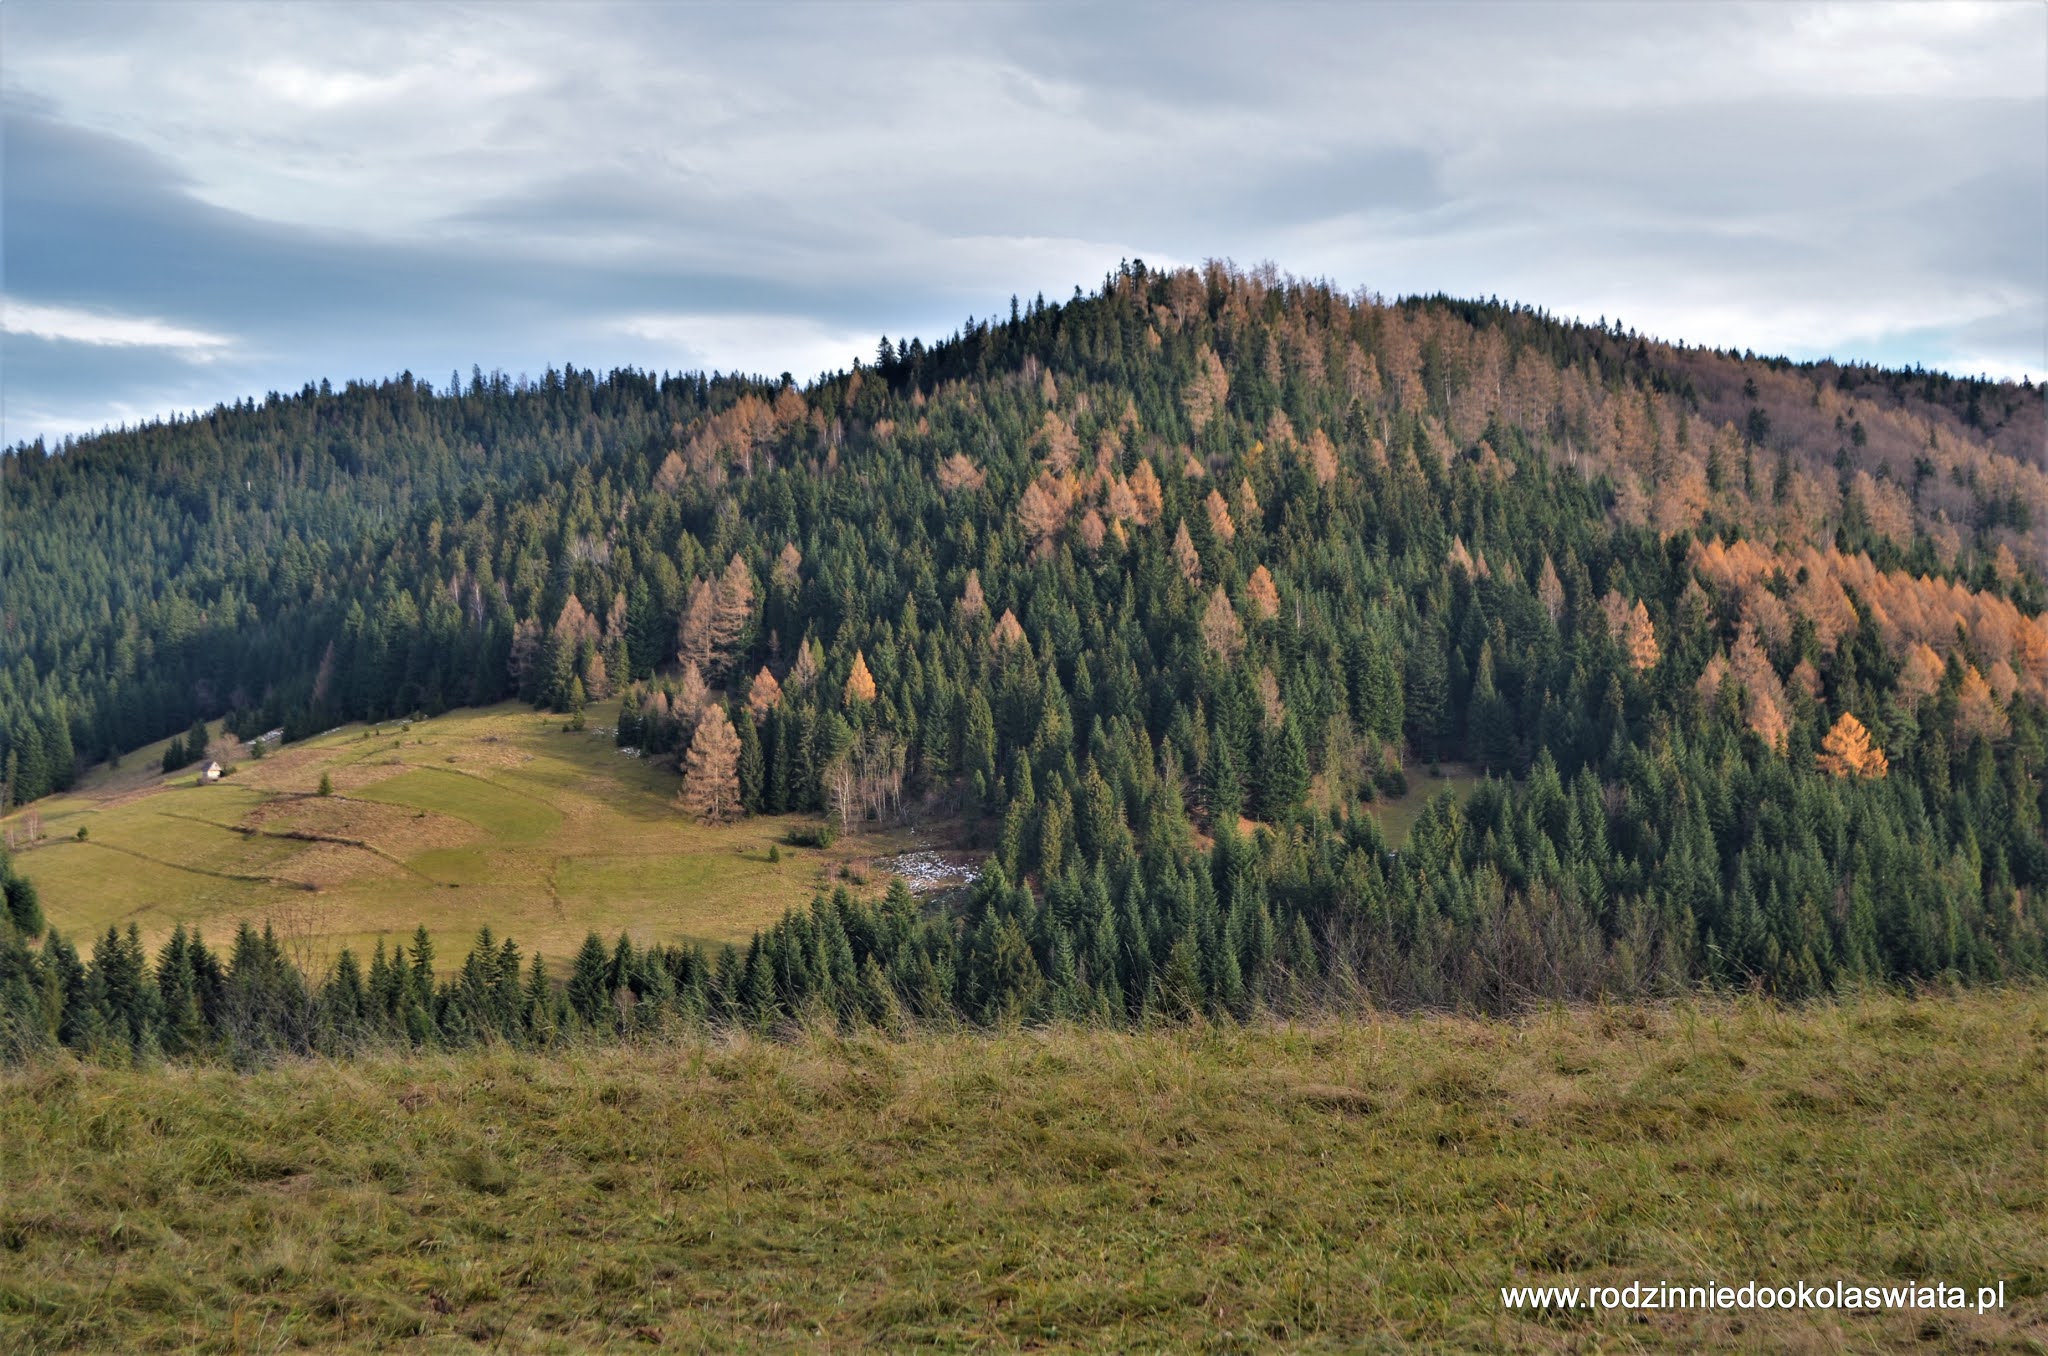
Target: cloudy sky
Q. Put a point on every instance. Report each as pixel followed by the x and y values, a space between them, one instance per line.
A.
pixel 208 201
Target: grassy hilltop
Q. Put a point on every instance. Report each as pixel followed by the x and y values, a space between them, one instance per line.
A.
pixel 1361 1184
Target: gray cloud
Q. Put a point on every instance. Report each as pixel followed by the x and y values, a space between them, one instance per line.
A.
pixel 345 191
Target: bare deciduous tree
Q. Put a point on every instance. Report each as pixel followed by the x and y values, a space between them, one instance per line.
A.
pixel 866 782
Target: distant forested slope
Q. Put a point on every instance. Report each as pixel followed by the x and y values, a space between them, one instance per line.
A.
pixel 1757 647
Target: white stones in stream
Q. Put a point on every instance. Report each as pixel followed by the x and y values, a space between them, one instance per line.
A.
pixel 926 872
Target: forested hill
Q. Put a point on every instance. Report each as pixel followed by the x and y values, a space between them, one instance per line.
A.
pixel 1759 643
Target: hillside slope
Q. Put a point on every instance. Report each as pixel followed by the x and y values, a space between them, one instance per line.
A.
pixel 492 817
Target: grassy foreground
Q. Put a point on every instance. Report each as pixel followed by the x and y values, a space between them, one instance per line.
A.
pixel 1364 1184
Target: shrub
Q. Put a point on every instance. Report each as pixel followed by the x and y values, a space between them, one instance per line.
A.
pixel 1392 781
pixel 821 835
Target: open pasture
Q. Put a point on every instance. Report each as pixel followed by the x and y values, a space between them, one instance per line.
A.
pixel 494 816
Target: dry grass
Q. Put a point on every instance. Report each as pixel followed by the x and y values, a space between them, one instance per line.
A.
pixel 1355 1185
pixel 493 816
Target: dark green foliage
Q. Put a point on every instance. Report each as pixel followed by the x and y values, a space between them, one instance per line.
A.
pixel 753 769
pixel 812 836
pixel 24 906
pixel 1283 770
pixel 397 549
pixel 589 991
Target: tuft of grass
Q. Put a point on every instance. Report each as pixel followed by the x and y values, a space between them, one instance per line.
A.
pixel 1362 1184
pixel 480 1169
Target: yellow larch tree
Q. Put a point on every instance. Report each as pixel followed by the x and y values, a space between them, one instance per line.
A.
pixel 1146 490
pixel 860 684
pixel 1847 751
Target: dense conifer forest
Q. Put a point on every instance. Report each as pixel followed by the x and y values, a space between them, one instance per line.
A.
pixel 1155 590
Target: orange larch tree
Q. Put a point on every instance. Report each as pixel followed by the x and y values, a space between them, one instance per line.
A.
pixel 764 695
pixel 1146 490
pixel 1262 594
pixel 1550 591
pixel 1185 555
pixel 1847 751
pixel 1008 631
pixel 1322 457
pixel 788 572
pixel 958 474
pixel 972 601
pixel 1977 710
pixel 1042 512
pixel 1639 639
pixel 1205 395
pixel 1220 523
pixel 711 780
pixel 860 684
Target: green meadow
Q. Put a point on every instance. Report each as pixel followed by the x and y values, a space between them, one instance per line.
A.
pixel 494 817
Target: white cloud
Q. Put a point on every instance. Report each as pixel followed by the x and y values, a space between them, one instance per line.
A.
pixel 76 325
pixel 769 188
pixel 762 345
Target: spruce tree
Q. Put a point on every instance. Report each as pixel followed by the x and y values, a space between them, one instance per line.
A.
pixel 752 770
pixel 1224 780
pixel 1283 773
pixel 589 992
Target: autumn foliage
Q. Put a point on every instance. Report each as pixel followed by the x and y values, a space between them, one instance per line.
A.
pixel 711 785
pixel 1262 595
pixel 1847 750
pixel 1917 617
pixel 860 684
